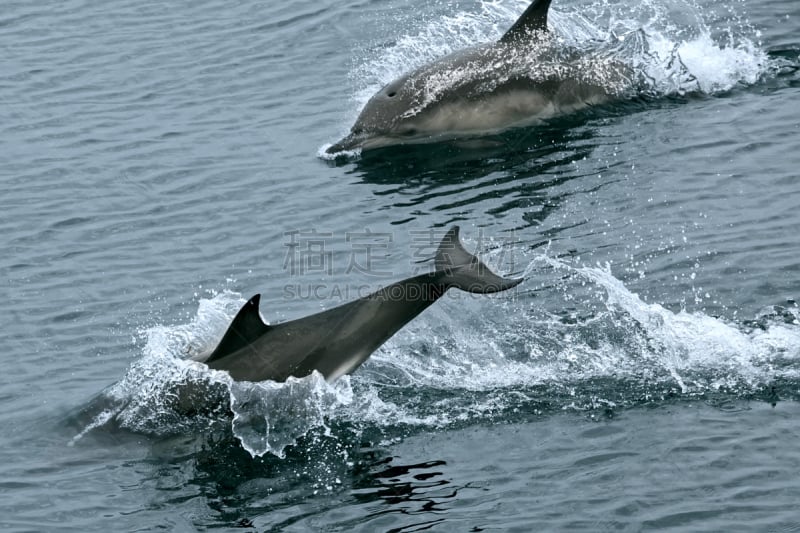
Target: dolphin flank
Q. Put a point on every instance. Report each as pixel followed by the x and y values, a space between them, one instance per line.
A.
pixel 521 79
pixel 337 341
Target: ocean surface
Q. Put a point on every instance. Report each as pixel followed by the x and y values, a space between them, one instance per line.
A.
pixel 161 162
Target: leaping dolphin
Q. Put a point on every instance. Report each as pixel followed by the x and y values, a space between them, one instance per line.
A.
pixel 521 79
pixel 337 341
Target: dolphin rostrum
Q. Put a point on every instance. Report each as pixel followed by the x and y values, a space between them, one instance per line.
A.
pixel 337 341
pixel 521 79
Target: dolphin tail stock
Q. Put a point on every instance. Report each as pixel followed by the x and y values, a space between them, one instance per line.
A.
pixel 533 20
pixel 463 270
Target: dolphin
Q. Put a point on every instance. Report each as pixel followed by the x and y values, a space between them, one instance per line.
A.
pixel 337 341
pixel 522 79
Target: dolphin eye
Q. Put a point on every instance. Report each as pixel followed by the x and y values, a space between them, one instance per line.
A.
pixel 392 94
pixel 410 132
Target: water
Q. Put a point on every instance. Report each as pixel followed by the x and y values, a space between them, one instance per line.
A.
pixel 157 159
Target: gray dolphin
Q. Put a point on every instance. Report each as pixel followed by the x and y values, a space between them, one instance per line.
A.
pixel 521 79
pixel 337 341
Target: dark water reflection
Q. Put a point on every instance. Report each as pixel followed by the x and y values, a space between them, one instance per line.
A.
pixel 419 489
pixel 319 475
pixel 522 171
pixel 512 474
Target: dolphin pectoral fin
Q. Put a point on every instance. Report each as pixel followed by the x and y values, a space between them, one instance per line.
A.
pixel 465 271
pixel 533 20
pixel 246 327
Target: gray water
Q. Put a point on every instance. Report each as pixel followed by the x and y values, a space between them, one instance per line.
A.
pixel 159 159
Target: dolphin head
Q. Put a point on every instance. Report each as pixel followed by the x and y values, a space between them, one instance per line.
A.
pixel 391 116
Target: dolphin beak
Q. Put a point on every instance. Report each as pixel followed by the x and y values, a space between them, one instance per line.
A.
pixel 351 142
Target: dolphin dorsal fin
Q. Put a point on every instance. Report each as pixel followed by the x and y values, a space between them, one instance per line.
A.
pixel 533 20
pixel 246 327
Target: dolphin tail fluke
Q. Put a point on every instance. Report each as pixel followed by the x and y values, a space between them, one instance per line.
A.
pixel 464 271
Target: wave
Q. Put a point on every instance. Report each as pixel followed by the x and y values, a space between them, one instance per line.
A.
pixel 468 360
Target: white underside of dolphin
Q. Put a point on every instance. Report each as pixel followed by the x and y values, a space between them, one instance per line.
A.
pixel 523 78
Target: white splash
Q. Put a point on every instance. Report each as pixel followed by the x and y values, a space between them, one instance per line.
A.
pixel 165 392
pixel 489 347
pixel 270 416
